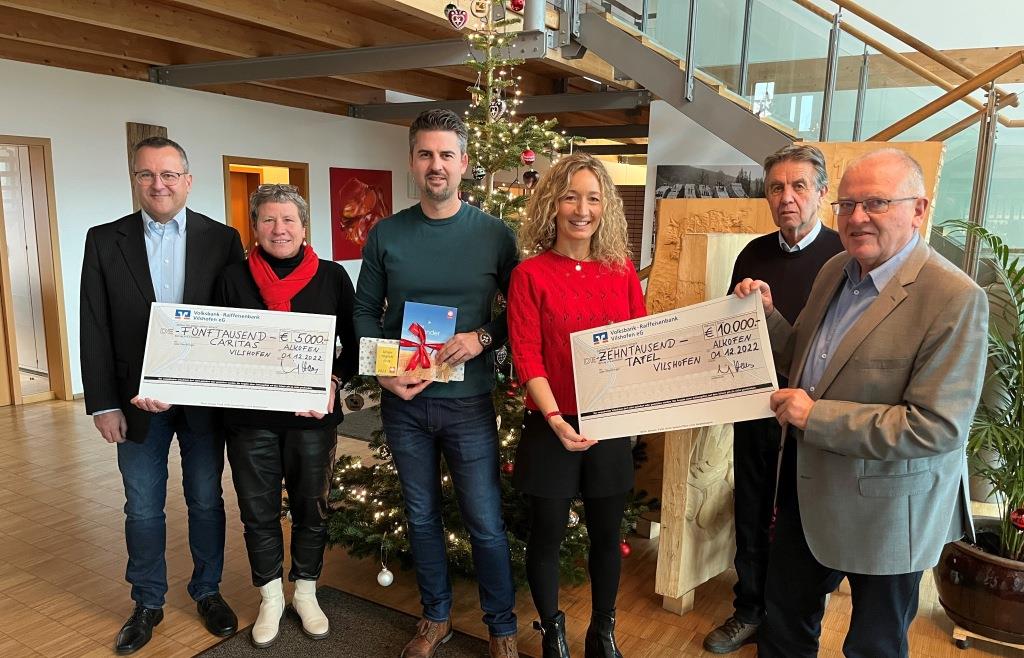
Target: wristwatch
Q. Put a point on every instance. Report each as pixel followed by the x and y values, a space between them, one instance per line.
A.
pixel 485 338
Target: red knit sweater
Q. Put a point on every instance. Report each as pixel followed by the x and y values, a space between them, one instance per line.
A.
pixel 548 300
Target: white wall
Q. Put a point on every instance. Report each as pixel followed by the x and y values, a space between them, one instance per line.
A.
pixel 84 116
pixel 676 139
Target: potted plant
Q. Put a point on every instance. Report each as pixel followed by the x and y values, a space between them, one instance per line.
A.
pixel 981 584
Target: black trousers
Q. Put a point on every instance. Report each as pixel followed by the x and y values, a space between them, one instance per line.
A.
pixel 549 518
pixel 883 606
pixel 755 458
pixel 259 460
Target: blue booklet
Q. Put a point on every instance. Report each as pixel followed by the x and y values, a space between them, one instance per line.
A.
pixel 425 330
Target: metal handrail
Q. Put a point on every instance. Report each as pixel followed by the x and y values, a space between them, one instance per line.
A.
pixel 952 96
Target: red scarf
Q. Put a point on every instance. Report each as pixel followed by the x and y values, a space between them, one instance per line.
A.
pixel 277 293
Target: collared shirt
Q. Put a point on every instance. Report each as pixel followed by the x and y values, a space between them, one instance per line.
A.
pixel 165 251
pixel 803 244
pixel 854 297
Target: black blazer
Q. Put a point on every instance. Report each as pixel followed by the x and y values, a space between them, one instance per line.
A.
pixel 117 291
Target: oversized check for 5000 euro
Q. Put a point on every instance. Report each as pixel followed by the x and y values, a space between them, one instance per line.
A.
pixel 213 356
pixel 705 364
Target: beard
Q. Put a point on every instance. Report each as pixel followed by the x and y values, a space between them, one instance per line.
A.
pixel 440 196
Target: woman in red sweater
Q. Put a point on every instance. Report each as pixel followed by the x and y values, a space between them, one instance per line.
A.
pixel 580 278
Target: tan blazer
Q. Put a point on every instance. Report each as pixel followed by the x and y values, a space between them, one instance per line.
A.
pixel 881 466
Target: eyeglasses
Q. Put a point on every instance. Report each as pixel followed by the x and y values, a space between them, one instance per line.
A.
pixel 277 187
pixel 871 206
pixel 169 178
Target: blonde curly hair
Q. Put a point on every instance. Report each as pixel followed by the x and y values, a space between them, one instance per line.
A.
pixel 538 230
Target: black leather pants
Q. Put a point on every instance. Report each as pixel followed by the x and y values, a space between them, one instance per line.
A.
pixel 304 458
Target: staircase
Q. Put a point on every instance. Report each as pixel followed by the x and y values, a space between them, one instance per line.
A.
pixel 768 72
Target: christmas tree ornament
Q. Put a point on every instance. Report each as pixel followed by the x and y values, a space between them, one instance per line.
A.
pixel 479 172
pixel 501 356
pixel 385 577
pixel 508 468
pixel 517 5
pixel 625 549
pixel 497 108
pixel 528 157
pixel 458 18
pixel 530 178
pixel 479 8
pixel 574 519
pixel 354 402
pixel 1017 518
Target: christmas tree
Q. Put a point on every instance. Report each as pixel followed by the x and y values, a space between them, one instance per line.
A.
pixel 368 517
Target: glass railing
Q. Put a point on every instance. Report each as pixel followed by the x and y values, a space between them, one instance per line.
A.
pixel 786 59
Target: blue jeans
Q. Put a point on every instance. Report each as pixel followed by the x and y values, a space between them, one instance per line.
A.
pixel 464 431
pixel 143 469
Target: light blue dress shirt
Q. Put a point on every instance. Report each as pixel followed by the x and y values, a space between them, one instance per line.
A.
pixel 165 251
pixel 803 244
pixel 855 296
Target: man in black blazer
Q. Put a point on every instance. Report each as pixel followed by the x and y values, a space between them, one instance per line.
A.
pixel 164 253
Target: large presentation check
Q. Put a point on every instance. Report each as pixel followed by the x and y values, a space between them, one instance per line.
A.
pixel 212 356
pixel 705 364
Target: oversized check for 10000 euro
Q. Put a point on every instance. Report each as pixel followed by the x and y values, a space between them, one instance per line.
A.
pixel 705 364
pixel 236 357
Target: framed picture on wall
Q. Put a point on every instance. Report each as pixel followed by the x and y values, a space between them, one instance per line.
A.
pixel 359 199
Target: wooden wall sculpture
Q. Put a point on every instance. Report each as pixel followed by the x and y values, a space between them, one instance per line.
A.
pixel 697 241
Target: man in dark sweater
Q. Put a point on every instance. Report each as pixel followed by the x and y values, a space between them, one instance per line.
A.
pixel 445 252
pixel 796 183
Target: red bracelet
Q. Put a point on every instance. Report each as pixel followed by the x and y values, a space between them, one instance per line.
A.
pixel 549 414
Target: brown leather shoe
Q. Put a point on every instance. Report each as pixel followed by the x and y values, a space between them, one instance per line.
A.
pixel 429 636
pixel 503 647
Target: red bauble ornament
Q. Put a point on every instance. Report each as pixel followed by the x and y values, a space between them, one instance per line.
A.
pixel 528 157
pixel 508 468
pixel 625 549
pixel 1017 518
pixel 517 5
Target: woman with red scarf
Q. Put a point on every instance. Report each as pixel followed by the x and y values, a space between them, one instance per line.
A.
pixel 283 273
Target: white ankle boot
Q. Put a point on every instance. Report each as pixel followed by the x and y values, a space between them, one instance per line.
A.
pixel 314 621
pixel 268 623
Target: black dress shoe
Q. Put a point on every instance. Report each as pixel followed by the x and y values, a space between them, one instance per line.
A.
pixel 217 615
pixel 138 630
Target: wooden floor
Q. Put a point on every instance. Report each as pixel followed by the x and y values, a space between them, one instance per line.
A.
pixel 62 556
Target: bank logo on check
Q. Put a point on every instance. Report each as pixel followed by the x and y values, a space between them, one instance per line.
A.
pixel 600 338
pixel 183 314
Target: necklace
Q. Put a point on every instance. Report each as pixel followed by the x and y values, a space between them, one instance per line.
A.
pixel 579 261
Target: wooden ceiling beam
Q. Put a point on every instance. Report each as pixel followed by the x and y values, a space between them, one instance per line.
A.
pixel 33 53
pixel 220 35
pixel 19 25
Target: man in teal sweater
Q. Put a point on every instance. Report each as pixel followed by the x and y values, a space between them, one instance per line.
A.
pixel 445 252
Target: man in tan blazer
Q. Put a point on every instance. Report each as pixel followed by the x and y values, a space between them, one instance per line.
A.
pixel 888 359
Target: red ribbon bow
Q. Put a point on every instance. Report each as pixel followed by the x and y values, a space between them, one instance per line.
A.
pixel 420 359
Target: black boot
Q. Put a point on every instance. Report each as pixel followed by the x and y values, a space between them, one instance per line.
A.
pixel 553 641
pixel 600 641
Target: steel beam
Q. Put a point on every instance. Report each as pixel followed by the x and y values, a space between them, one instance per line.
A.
pixel 553 104
pixel 830 75
pixel 727 120
pixel 348 61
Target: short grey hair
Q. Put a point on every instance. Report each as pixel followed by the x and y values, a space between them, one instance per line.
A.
pixel 160 143
pixel 913 183
pixel 277 193
pixel 800 153
pixel 439 119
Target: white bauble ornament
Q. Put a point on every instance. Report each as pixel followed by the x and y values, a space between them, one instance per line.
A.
pixel 385 577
